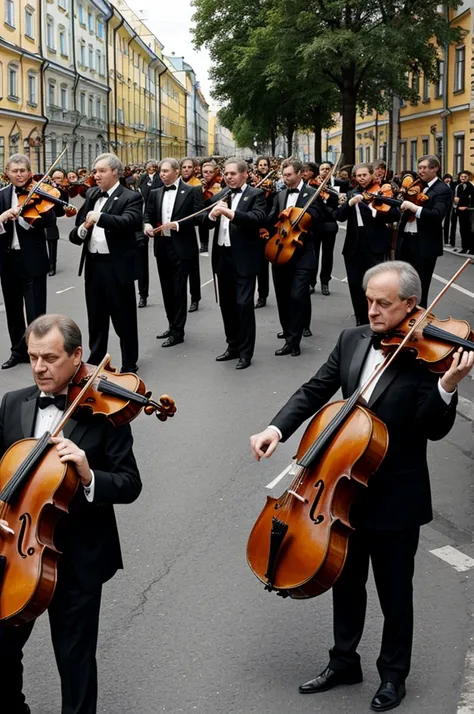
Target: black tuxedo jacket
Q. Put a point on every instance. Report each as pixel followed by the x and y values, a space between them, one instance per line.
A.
pixel 304 255
pixel 188 200
pixel 406 398
pixel 377 235
pixel 145 187
pixel 121 218
pixel 245 241
pixel 87 536
pixel 465 193
pixel 32 241
pixel 428 241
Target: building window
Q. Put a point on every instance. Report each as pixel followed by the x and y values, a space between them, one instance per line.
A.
pixel 413 154
pixel 82 59
pixel 13 81
pixel 82 103
pixel 120 116
pixel 458 154
pixel 62 4
pixel 51 95
pixel 440 83
pixel 90 21
pixel 10 12
pixel 98 61
pixel 32 99
pixel 415 85
pixel 367 154
pixel 62 41
pixel 50 33
pixel 439 148
pixel 425 146
pixel 403 156
pixel 97 107
pixel 459 68
pixel 2 153
pixel 81 14
pixel 91 58
pixel 29 22
pixel 100 28
pixel 91 107
pixel 64 97
pixel 426 89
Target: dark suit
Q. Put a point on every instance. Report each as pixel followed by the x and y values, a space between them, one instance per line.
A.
pixel 465 193
pixel 292 279
pixel 145 186
pixel 89 542
pixel 175 253
pixel 388 515
pixel 109 278
pixel 325 240
pixel 236 268
pixel 148 184
pixel 364 247
pixel 23 272
pixel 421 249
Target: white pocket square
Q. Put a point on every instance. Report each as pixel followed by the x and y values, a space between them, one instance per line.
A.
pixel 115 198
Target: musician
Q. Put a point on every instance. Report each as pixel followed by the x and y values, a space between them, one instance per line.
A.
pixel 106 228
pixel 450 219
pixel 325 239
pixel 464 200
pixel 24 261
pixel 58 178
pixel 368 237
pixel 263 279
pixel 175 246
pixel 187 174
pixel 236 259
pixel 309 172
pixel 82 172
pixel 87 537
pixel 415 406
pixel 420 242
pixel 292 279
pixel 380 171
pixel 211 184
pixel 150 180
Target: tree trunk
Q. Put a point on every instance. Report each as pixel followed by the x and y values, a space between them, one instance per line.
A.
pixel 273 140
pixel 289 136
pixel 318 135
pixel 349 116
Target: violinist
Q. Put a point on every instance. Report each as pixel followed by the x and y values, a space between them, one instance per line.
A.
pixel 380 171
pixel 292 279
pixel 24 262
pixel 82 172
pixel 368 237
pixel 309 172
pixel 325 239
pixel 464 200
pixel 420 241
pixel 72 177
pixel 186 171
pixel 150 180
pixel 263 280
pixel 416 406
pixel 211 184
pixel 87 537
pixel 59 181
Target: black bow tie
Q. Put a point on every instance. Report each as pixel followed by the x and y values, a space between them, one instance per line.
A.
pixel 59 401
pixel 236 190
pixel 376 339
pixel 169 188
pixel 103 194
pixel 293 190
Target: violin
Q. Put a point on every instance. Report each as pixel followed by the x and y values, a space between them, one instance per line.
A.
pixel 36 488
pixel 411 189
pixel 326 192
pixel 212 186
pixel 33 205
pixel 79 188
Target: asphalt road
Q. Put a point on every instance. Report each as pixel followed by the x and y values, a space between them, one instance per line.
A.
pixel 186 627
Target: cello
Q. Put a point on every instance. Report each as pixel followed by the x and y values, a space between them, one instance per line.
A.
pixel 36 488
pixel 298 545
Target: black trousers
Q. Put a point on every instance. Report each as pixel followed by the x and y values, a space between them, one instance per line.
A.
pixel 467 242
pixel 449 227
pixel 392 554
pixel 236 296
pixel 74 624
pixel 204 237
pixel 174 273
pixel 263 277
pixel 21 293
pixel 356 267
pixel 195 279
pixel 144 261
pixel 324 245
pixel 293 299
pixel 423 266
pixel 109 299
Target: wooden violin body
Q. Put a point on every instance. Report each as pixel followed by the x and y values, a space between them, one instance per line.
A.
pixel 299 543
pixel 292 224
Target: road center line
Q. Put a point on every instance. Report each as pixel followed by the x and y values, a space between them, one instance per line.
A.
pixel 456 287
pixel 460 561
pixel 58 292
pixel 204 284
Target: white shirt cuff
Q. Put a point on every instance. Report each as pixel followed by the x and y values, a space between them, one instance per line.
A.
pixel 2 229
pixel 275 428
pixel 89 490
pixel 82 230
pixel 418 213
pixel 445 396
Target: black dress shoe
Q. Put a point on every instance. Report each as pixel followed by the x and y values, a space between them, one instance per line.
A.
pixel 194 307
pixel 281 336
pixel 13 360
pixel 311 290
pixel 142 302
pixel 172 341
pixel 307 332
pixel 230 353
pixel 295 351
pixel 163 335
pixel 325 289
pixel 285 350
pixel 204 248
pixel 388 696
pixel 329 679
pixel 52 272
pixel 133 369
pixel 243 363
pixel 261 302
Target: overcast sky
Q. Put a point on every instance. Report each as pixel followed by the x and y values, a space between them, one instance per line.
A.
pixel 170 21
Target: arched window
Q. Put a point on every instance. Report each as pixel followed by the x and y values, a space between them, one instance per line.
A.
pixel 50 38
pixel 13 84
pixel 32 89
pixel 63 41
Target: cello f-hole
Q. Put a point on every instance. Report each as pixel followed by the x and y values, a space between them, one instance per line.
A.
pixel 318 519
pixel 25 519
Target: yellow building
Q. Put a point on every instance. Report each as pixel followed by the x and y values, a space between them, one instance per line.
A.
pixel 173 116
pixel 439 123
pixel 21 97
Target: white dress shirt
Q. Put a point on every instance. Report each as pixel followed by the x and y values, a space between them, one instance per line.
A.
pixel 15 242
pixel 411 226
pixel 167 206
pixel 98 241
pixel 292 198
pixel 47 420
pixel 223 237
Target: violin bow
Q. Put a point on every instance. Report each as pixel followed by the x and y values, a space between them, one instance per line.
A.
pixel 38 183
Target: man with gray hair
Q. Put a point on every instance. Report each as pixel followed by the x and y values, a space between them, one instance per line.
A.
pixel 415 406
pixel 106 228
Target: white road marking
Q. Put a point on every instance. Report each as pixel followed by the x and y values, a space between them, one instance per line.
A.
pixel 460 561
pixel 58 292
pixel 456 287
pixel 466 703
pixel 276 480
pixel 204 284
pixel 344 280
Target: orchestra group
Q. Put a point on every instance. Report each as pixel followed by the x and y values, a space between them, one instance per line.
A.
pixel 249 216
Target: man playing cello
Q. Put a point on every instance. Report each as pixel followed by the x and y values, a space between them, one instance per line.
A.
pixel 415 406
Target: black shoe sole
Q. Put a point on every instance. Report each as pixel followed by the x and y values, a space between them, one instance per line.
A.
pixel 349 682
pixel 391 706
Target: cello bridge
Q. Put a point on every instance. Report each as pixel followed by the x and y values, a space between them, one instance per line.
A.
pixel 297 495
